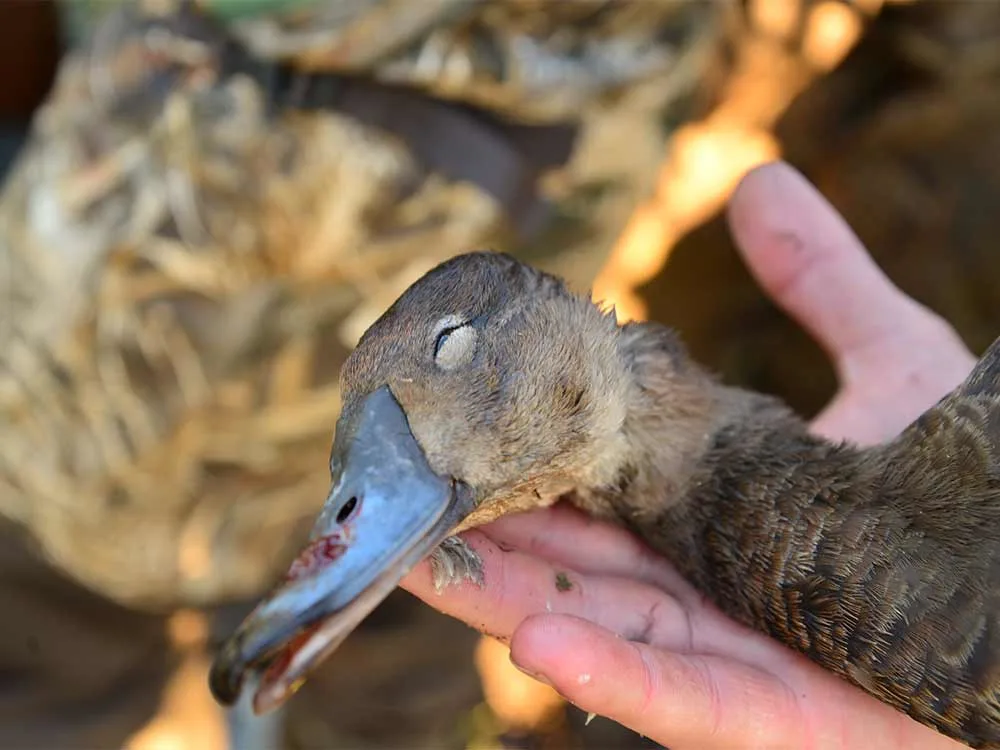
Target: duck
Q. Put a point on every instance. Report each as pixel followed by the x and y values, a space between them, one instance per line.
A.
pixel 490 388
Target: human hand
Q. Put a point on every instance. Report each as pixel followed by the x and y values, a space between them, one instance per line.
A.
pixel 630 639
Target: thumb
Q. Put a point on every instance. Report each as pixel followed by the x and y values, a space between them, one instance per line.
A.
pixel 678 700
pixel 813 266
pixel 805 256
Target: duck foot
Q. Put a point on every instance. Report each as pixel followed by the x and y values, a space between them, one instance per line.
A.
pixel 454 561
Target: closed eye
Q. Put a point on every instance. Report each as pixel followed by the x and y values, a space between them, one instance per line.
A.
pixel 455 345
pixel 442 339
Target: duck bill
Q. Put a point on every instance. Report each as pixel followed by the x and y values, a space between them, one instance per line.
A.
pixel 386 511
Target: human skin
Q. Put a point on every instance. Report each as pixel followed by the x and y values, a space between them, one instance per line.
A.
pixel 702 681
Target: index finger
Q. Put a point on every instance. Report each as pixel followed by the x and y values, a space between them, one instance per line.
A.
pixel 520 585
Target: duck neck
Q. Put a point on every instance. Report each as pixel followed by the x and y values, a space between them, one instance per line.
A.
pixel 813 543
pixel 717 478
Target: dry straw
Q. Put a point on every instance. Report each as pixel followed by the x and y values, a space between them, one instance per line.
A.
pixel 184 269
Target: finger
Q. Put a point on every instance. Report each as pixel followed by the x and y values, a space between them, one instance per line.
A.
pixel 519 585
pixel 813 266
pixel 564 535
pixel 850 417
pixel 880 405
pixel 681 701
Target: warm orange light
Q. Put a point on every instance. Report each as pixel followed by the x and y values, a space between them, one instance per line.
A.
pixel 831 31
pixel 188 717
pixel 708 158
pixel 776 18
pixel 516 699
pixel 627 304
pixel 707 161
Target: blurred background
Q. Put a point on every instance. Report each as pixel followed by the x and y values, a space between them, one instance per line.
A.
pixel 206 203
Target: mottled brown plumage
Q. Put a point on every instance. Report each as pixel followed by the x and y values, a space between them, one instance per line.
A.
pixel 879 564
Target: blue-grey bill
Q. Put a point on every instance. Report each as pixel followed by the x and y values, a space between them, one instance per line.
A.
pixel 387 510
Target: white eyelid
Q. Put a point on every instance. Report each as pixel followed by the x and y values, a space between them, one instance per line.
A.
pixel 459 347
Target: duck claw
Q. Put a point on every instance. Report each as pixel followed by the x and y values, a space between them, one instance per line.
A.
pixel 453 562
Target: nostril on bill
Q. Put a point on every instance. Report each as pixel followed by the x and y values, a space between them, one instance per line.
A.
pixel 347 509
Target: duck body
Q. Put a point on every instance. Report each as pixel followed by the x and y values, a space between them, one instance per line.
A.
pixel 490 388
pixel 880 565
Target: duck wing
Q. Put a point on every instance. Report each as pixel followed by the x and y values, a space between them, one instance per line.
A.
pixel 941 478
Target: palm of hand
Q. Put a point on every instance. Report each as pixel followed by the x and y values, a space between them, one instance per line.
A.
pixel 587 608
pixel 614 629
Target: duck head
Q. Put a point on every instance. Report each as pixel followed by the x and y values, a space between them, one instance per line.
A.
pixel 487 388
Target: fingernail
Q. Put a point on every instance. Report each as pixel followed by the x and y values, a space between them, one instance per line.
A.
pixel 533 675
